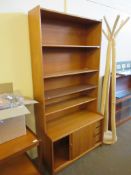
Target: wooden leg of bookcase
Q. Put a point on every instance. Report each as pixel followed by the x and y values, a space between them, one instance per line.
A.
pixel 40 159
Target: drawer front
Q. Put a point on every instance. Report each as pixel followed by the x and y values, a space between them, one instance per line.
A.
pixel 98 133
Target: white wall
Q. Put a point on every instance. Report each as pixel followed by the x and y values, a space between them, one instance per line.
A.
pixel 89 8
pixel 97 11
pixel 25 5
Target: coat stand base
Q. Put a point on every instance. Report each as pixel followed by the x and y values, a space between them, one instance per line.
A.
pixel 108 138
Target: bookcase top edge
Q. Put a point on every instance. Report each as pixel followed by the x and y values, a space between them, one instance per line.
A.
pixel 66 15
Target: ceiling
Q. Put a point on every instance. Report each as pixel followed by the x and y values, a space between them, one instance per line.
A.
pixel 124 5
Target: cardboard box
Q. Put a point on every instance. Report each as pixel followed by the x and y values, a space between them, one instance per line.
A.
pixel 12 120
pixel 12 123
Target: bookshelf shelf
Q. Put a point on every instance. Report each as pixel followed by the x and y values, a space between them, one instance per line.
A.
pixel 67 91
pixel 68 73
pixel 60 106
pixel 19 165
pixel 70 123
pixel 17 146
pixel 71 46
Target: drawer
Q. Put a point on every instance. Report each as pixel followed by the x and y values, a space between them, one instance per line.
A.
pixel 98 138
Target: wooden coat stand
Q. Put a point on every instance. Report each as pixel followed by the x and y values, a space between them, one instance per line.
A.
pixel 110 137
pixel 65 6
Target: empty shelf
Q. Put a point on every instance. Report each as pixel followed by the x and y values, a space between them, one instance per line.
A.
pixel 73 72
pixel 120 100
pixel 66 125
pixel 17 146
pixel 69 46
pixel 67 91
pixel 124 93
pixel 20 165
pixel 52 108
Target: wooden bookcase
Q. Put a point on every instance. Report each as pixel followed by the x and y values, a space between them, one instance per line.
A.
pixel 123 104
pixel 65 51
pixel 13 159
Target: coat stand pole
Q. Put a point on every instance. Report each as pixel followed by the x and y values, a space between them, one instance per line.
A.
pixel 110 136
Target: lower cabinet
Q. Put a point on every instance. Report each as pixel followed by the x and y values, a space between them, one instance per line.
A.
pixel 71 147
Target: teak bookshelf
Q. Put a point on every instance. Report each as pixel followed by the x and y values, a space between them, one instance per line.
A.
pixel 65 51
pixel 123 104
